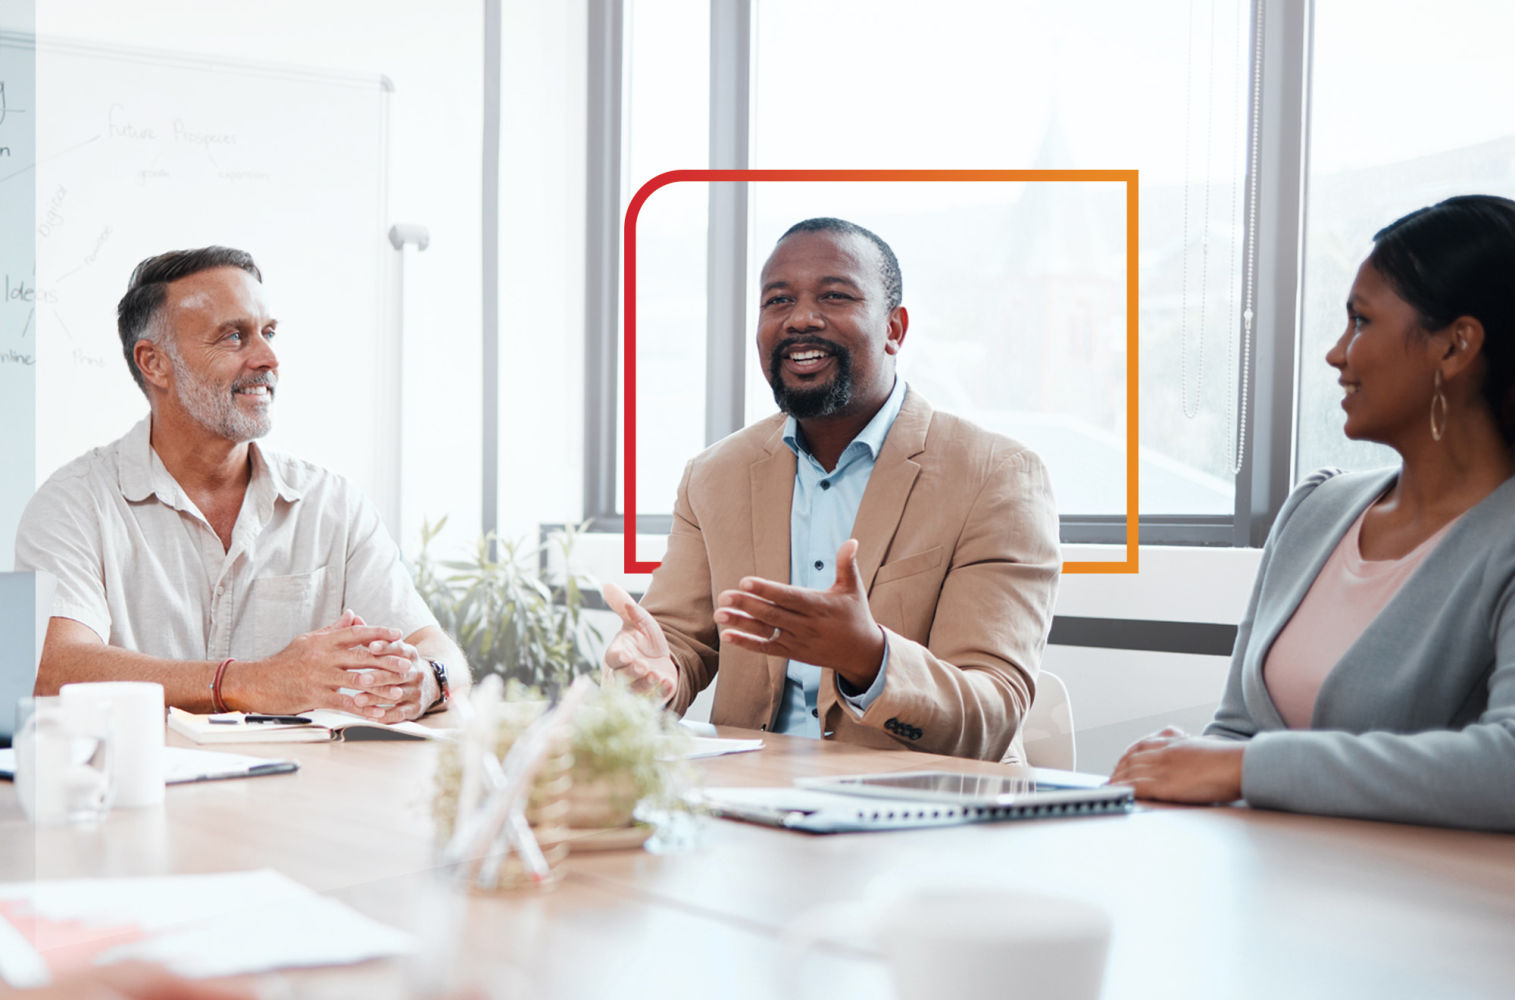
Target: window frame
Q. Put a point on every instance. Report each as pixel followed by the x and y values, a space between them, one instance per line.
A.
pixel 1275 177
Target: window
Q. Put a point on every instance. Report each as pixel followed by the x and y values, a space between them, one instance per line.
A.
pixel 1385 141
pixel 1017 292
pixel 1016 324
pixel 1014 290
pixel 667 71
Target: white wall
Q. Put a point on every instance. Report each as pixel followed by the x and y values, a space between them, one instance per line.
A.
pixel 1120 695
pixel 433 53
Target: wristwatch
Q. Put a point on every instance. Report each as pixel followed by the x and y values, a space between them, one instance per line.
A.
pixel 439 671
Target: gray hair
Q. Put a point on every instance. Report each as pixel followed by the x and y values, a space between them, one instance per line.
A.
pixel 139 313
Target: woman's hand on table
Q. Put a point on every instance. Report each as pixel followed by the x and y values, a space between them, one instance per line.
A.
pixel 1173 766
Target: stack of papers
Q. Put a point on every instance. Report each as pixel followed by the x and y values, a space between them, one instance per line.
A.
pixel 232 924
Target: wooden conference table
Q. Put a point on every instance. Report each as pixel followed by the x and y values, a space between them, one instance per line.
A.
pixel 1219 902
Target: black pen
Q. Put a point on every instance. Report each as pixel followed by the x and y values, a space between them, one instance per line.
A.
pixel 288 720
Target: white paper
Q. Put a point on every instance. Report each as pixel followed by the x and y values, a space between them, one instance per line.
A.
pixel 236 923
pixel 180 764
pixel 712 746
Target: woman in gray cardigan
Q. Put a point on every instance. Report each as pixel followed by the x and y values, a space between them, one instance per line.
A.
pixel 1374 672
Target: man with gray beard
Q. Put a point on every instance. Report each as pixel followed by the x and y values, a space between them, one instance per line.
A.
pixel 238 578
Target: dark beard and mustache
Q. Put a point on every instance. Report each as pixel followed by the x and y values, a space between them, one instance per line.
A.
pixel 821 401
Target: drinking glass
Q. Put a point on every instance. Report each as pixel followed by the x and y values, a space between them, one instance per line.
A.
pixel 63 762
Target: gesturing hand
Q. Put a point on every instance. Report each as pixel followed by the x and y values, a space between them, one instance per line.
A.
pixel 828 628
pixel 1173 766
pixel 639 651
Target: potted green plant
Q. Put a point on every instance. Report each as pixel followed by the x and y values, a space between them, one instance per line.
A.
pixel 508 612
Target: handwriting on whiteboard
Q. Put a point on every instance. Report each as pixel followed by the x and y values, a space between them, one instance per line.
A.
pixel 4 113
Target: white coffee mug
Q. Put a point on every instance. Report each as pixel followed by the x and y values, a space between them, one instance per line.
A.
pixel 968 943
pixel 136 734
pixel 994 943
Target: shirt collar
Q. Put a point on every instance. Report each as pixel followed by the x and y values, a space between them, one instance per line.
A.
pixel 870 437
pixel 142 473
pixel 262 466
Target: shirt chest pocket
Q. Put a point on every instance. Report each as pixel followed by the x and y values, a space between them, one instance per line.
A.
pixel 281 607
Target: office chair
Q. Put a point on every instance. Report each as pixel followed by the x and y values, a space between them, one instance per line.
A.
pixel 1047 730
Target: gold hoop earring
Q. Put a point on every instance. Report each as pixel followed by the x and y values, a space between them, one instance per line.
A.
pixel 1438 402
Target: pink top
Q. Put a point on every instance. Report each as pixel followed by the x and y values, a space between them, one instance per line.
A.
pixel 1348 594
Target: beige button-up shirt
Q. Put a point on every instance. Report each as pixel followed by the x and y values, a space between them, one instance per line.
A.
pixel 139 564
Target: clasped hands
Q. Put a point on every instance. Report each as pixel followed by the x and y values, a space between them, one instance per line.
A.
pixel 828 628
pixel 390 680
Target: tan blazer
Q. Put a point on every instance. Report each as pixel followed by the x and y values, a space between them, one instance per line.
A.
pixel 959 555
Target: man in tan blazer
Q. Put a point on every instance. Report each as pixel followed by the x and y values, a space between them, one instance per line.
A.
pixel 926 629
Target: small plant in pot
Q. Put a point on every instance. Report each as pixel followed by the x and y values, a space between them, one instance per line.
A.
pixel 621 752
pixel 627 750
pixel 517 623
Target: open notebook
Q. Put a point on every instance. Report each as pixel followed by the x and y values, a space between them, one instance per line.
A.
pixel 325 726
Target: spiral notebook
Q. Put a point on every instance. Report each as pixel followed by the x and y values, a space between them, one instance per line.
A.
pixel 918 800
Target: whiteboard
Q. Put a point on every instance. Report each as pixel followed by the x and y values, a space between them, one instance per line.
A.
pixel 139 152
pixel 18 340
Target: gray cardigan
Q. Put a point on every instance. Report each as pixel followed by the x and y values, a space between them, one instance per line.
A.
pixel 1416 722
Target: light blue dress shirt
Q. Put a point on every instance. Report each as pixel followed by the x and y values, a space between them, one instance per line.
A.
pixel 820 520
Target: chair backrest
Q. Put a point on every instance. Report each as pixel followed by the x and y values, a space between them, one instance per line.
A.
pixel 1047 730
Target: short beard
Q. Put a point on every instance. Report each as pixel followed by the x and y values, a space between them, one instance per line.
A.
pixel 823 400
pixel 215 408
